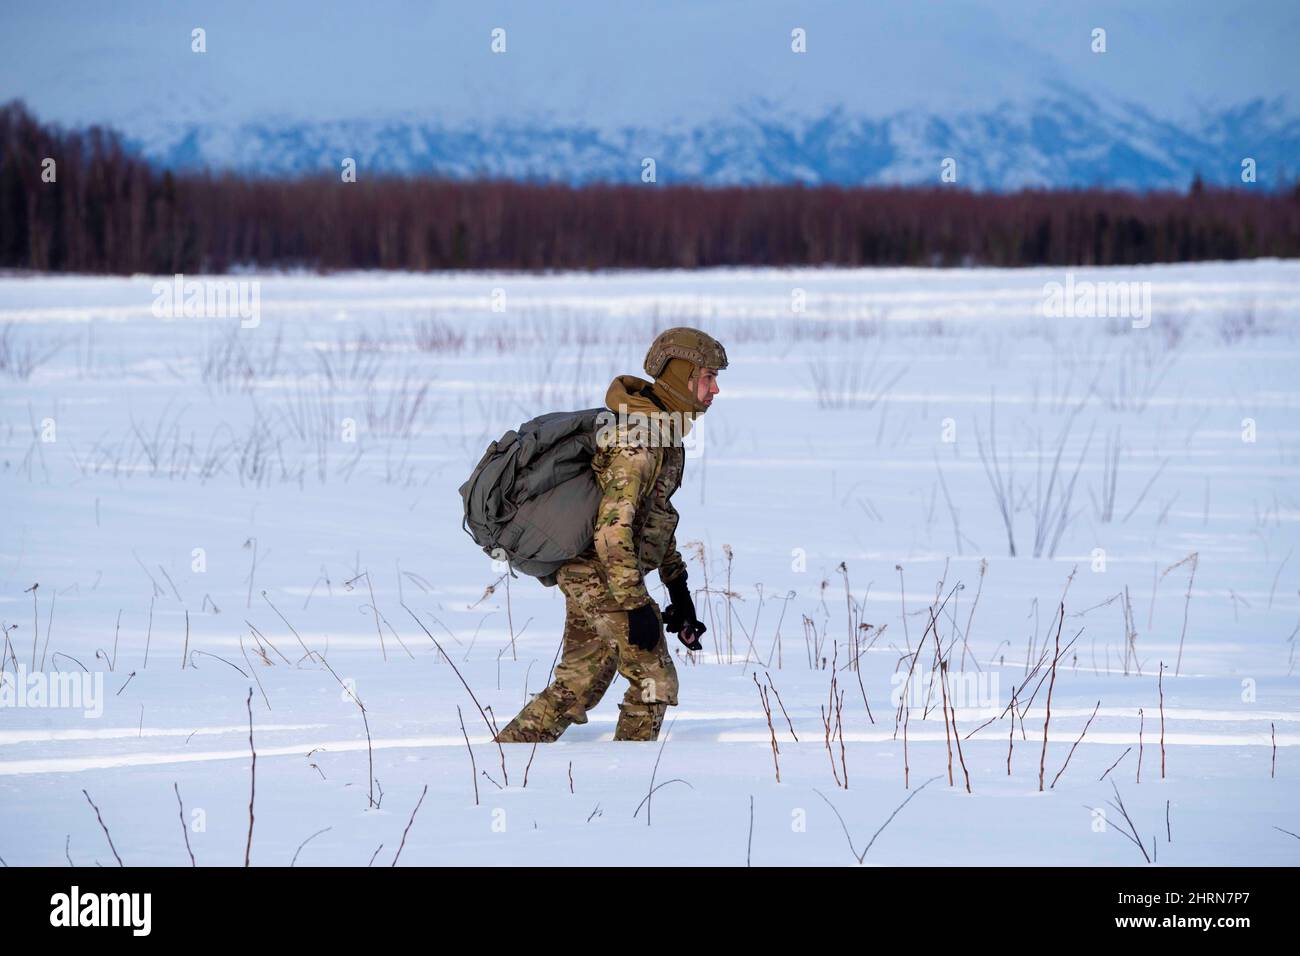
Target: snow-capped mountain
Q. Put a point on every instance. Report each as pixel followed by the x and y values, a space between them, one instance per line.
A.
pixel 1017 92
pixel 1066 139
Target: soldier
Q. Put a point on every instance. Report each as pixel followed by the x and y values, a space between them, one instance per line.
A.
pixel 611 623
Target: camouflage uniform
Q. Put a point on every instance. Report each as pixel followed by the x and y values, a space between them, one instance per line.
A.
pixel 635 532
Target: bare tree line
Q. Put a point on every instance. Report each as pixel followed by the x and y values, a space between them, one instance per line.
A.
pixel 108 211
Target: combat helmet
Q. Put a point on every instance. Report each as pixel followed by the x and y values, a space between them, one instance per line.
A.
pixel 698 348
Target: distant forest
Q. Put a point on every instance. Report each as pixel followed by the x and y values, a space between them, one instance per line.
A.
pixel 109 211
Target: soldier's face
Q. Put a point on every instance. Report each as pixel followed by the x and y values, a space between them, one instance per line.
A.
pixel 706 386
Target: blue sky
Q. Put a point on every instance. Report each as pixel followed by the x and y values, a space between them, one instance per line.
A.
pixel 616 62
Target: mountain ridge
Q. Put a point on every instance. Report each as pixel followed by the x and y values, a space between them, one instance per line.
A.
pixel 1062 139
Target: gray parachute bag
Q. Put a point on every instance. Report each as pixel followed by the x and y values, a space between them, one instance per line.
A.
pixel 532 498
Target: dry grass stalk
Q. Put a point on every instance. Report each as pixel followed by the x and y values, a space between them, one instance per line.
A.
pixel 1042 760
pixel 767 710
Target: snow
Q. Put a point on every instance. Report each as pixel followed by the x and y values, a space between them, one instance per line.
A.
pixel 826 445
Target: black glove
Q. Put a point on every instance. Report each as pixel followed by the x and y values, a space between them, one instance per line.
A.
pixel 643 627
pixel 679 616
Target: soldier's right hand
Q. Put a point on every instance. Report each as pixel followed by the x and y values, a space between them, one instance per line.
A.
pixel 643 627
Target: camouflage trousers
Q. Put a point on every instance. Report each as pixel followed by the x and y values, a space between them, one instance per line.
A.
pixel 596 647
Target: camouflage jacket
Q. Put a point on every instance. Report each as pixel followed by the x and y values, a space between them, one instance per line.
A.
pixel 636 524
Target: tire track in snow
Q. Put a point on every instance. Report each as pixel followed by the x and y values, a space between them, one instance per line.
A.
pixel 112 761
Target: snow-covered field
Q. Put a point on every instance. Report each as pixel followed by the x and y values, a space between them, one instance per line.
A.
pixel 213 510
